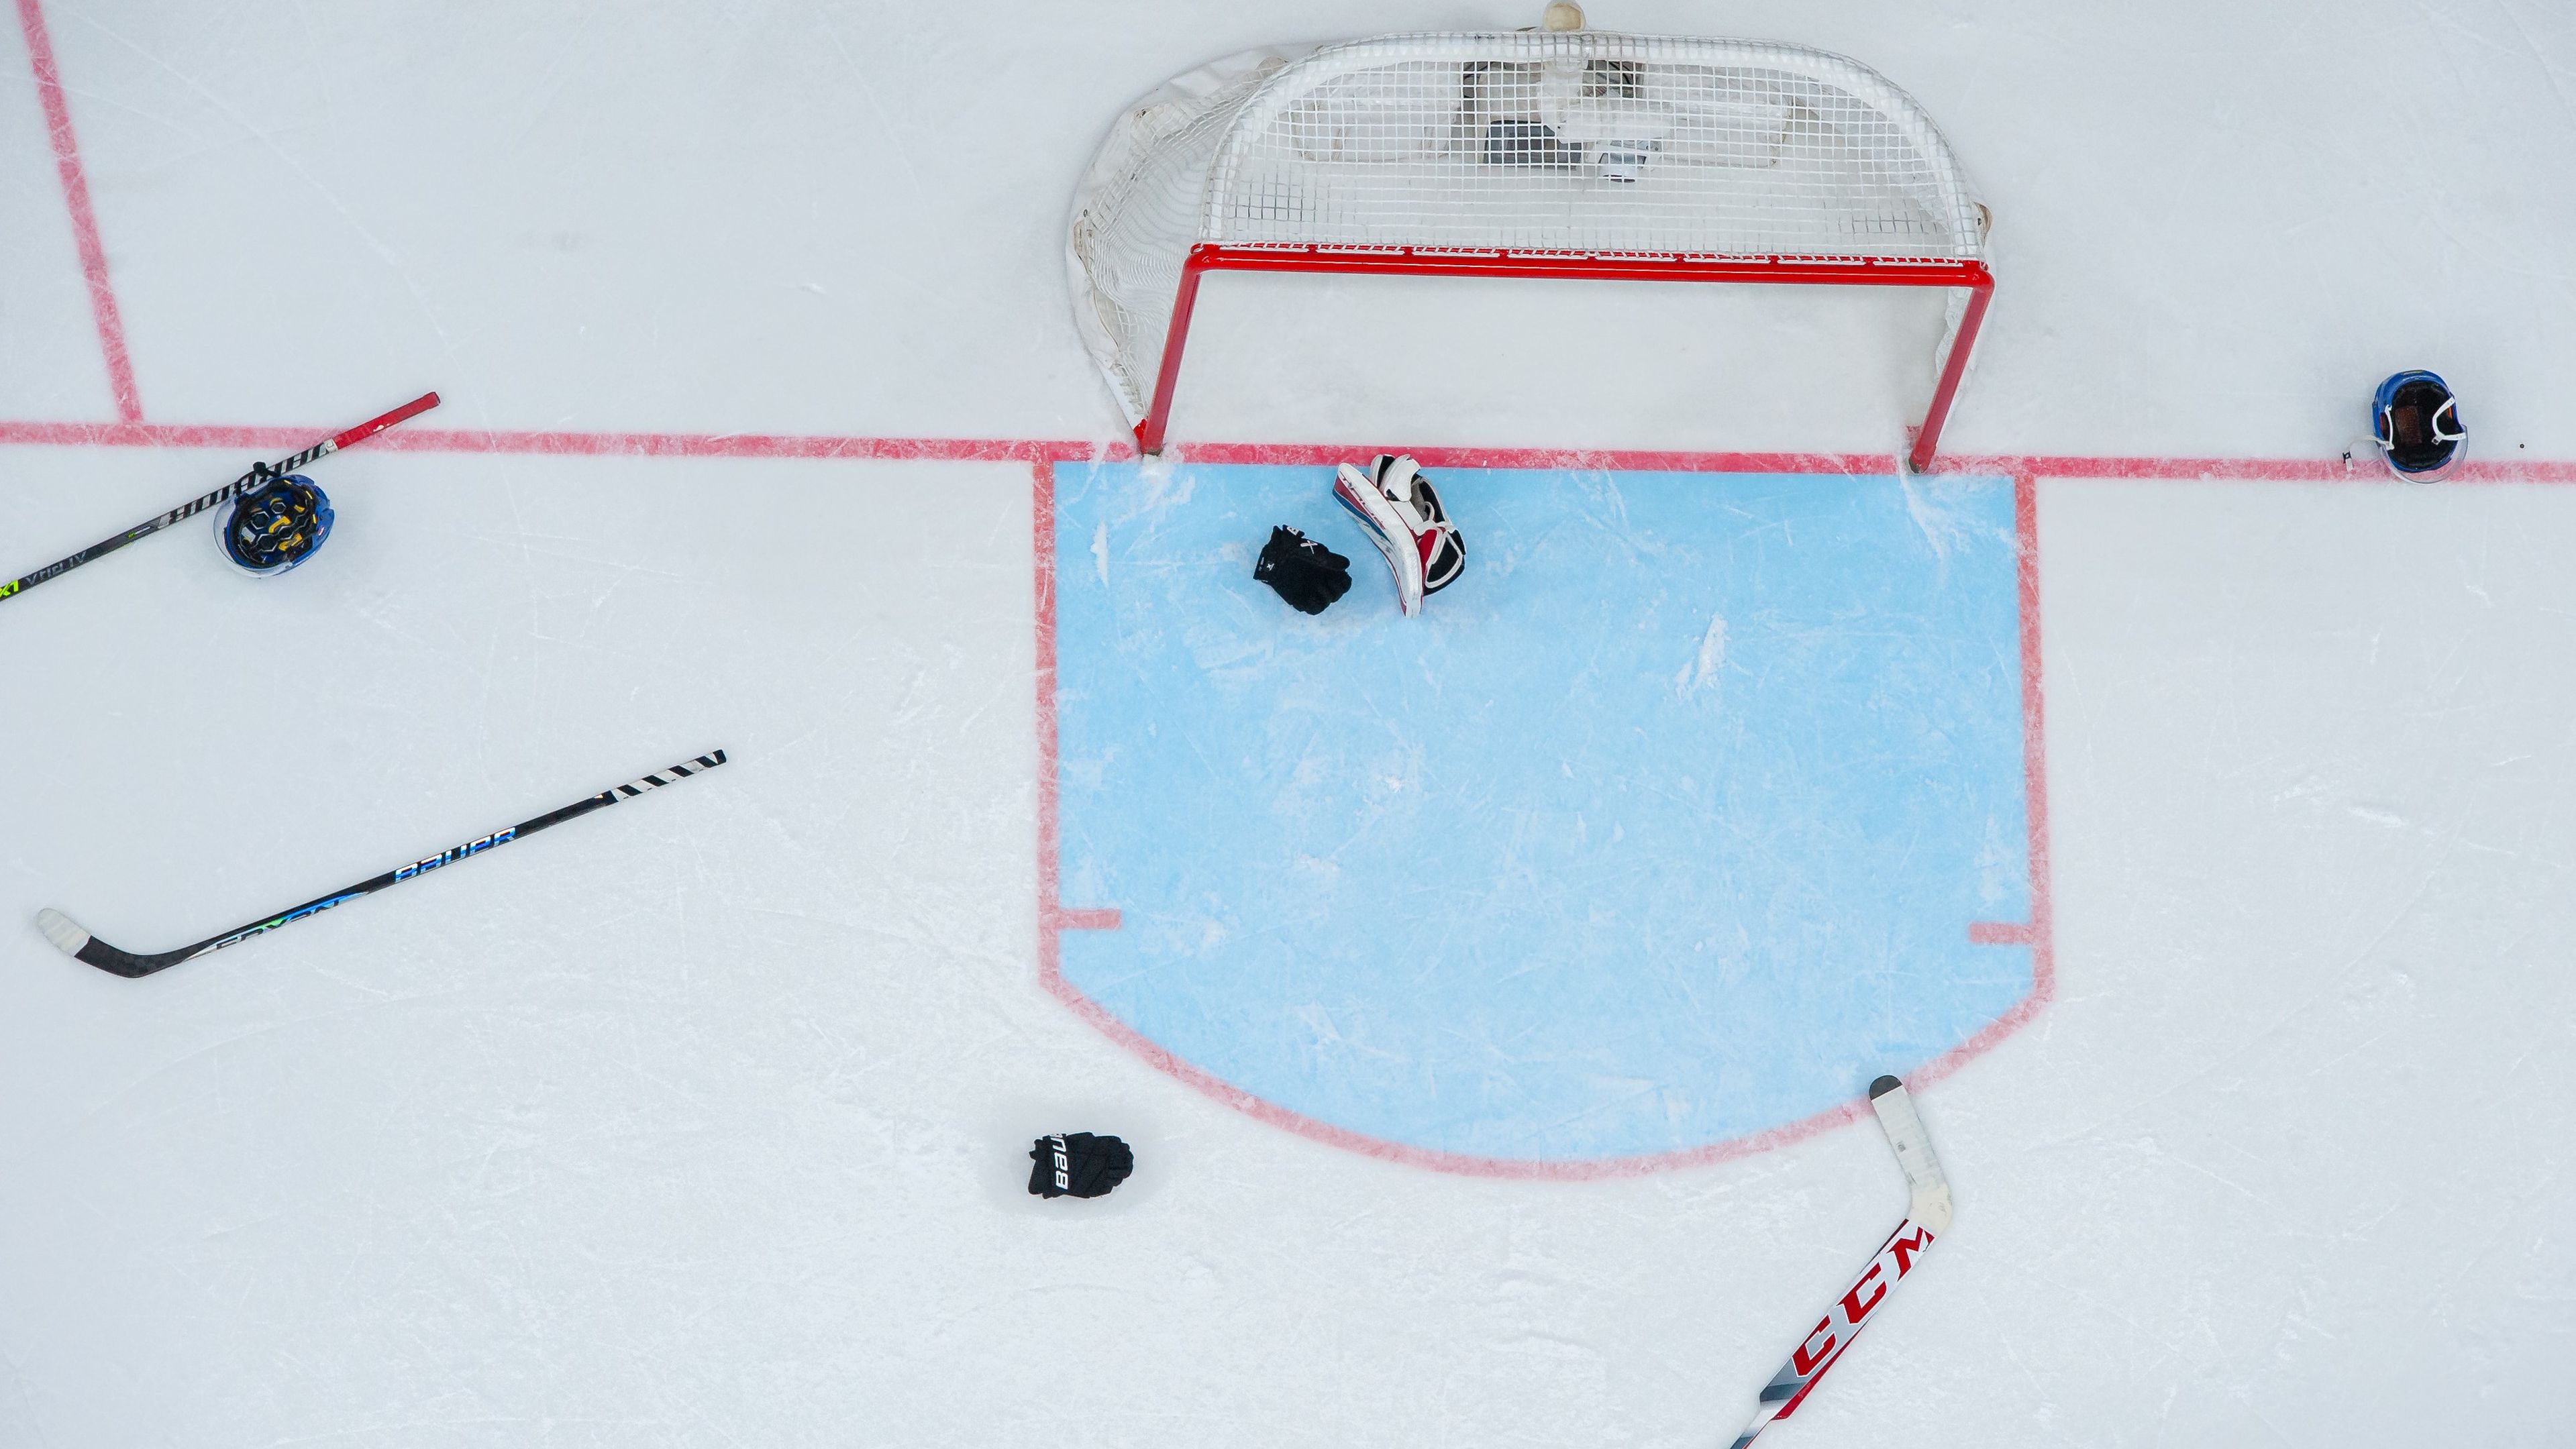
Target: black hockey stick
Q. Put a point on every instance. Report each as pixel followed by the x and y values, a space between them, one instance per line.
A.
pixel 259 473
pixel 63 931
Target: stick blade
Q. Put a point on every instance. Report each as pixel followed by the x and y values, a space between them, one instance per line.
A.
pixel 83 947
pixel 1925 1183
pixel 62 930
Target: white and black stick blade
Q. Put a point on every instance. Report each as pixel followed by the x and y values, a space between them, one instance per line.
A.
pixel 77 943
pixel 1924 1180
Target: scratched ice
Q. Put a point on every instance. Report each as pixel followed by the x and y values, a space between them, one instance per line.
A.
pixel 767 427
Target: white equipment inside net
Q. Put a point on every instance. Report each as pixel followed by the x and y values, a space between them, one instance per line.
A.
pixel 1530 153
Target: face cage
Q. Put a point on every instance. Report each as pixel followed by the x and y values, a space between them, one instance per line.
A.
pixel 2387 431
pixel 273 547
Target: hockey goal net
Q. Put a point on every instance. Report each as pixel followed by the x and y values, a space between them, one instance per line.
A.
pixel 1531 153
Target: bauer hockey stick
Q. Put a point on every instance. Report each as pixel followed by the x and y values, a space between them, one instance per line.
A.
pixel 79 944
pixel 1928 1213
pixel 259 473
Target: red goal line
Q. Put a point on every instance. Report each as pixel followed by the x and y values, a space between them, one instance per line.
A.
pixel 858 447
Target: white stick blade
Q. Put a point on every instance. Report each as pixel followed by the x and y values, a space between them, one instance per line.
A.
pixel 1930 1188
pixel 62 930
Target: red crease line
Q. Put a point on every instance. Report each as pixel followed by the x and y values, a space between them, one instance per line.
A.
pixel 1051 975
pixel 2036 933
pixel 1042 585
pixel 2034 715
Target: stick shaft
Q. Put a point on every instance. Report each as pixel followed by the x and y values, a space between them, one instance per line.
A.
pixel 258 474
pixel 124 963
pixel 1823 1346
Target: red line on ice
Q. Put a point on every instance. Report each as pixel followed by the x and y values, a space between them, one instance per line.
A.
pixel 560 444
pixel 1042 552
pixel 93 252
pixel 2362 470
pixel 1052 915
pixel 2042 930
pixel 1264 1110
pixel 613 444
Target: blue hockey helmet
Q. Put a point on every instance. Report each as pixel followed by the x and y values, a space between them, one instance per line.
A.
pixel 2417 422
pixel 275 526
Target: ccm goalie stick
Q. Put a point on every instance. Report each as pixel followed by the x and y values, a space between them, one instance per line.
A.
pixel 259 473
pixel 63 931
pixel 1929 1214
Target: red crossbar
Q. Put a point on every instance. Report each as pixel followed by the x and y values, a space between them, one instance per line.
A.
pixel 1617 266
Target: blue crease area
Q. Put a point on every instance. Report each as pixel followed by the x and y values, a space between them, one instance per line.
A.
pixel 1663 826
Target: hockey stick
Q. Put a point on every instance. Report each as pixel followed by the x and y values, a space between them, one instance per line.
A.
pixel 259 473
pixel 1928 1214
pixel 63 931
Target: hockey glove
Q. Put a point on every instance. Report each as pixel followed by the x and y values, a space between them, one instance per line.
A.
pixel 1307 574
pixel 1078 1164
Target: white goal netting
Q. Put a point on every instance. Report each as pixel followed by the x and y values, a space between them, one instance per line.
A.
pixel 1518 142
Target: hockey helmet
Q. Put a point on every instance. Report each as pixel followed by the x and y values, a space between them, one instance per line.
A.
pixel 275 526
pixel 2417 422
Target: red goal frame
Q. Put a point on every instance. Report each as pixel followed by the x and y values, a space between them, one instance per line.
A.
pixel 1971 276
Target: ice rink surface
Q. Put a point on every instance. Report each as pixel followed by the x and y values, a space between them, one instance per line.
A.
pixel 698 1121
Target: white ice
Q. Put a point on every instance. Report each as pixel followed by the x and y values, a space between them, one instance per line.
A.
pixel 695 1123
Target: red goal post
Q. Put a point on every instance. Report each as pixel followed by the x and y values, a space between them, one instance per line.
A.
pixel 1572 154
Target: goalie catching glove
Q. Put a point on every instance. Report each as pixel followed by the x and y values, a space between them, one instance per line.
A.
pixel 1403 517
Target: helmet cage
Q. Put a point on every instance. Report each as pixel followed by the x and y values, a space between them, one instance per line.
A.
pixel 2416 421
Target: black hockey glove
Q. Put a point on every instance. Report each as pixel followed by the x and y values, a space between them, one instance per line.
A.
pixel 1307 574
pixel 1077 1164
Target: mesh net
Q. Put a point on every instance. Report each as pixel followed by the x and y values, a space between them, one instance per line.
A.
pixel 1580 141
